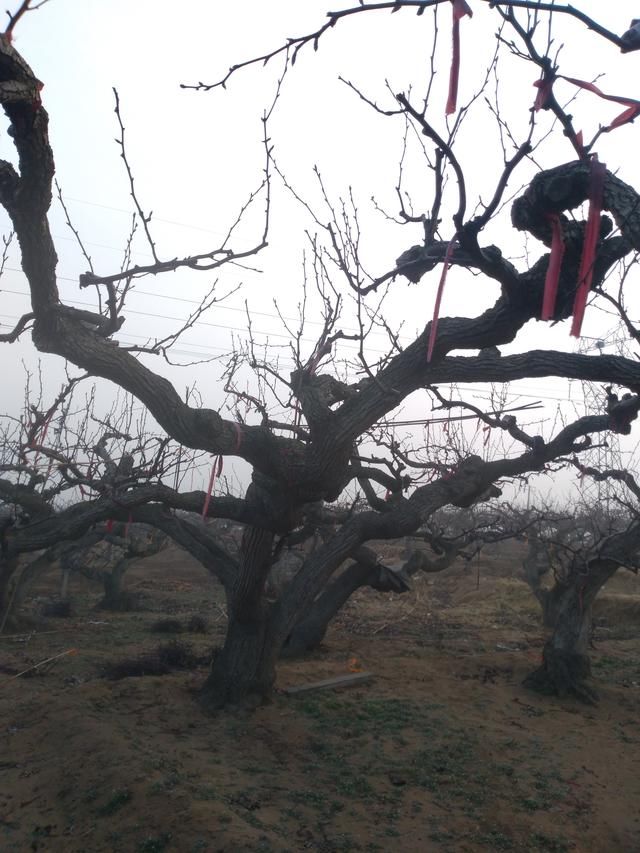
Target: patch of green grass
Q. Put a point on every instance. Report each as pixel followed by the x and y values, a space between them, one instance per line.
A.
pixel 90 795
pixel 169 782
pixel 205 792
pixel 353 785
pixel 154 845
pixel 548 788
pixel 366 717
pixel 115 802
pixel 495 841
pixel 441 836
pixel 309 797
pixel 440 767
pixel 548 844
pixel 623 735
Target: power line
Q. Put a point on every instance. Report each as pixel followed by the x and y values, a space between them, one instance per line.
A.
pixel 196 302
pixel 155 218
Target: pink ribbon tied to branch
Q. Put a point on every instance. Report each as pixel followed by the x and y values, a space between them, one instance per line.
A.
pixel 597 176
pixel 436 307
pixel 216 470
pixel 545 90
pixel 460 8
pixel 597 173
pixel 552 279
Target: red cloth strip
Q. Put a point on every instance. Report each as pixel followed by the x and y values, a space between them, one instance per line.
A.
pixel 545 88
pixel 216 470
pixel 436 307
pixel 633 106
pixel 552 279
pixel 460 8
pixel 591 234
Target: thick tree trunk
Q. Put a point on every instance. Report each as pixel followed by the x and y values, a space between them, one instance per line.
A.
pixel 8 567
pixel 16 583
pixel 243 671
pixel 551 601
pixel 566 668
pixel 115 598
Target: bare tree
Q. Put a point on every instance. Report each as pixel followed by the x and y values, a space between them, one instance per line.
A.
pixel 60 460
pixel 321 442
pixel 578 551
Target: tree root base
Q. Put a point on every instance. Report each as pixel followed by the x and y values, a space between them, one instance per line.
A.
pixel 563 674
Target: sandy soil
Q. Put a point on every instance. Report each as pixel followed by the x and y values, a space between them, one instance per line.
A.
pixel 442 751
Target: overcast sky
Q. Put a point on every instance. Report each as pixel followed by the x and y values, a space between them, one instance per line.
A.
pixel 197 155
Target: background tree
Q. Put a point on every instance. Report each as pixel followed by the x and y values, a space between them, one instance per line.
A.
pixel 64 472
pixel 579 551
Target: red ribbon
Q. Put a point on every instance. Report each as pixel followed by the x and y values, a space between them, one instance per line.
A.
pixel 552 279
pixel 436 307
pixel 216 470
pixel 460 9
pixel 545 87
pixel 633 106
pixel 591 234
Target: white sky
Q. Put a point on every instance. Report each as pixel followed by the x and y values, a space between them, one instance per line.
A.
pixel 197 155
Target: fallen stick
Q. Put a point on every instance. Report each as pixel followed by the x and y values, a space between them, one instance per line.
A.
pixel 329 683
pixel 41 663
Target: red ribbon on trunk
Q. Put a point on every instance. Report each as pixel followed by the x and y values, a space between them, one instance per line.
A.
pixel 552 279
pixel 216 470
pixel 460 9
pixel 591 234
pixel 436 307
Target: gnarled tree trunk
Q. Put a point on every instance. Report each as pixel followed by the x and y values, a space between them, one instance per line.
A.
pixel 566 668
pixel 8 568
pixel 311 629
pixel 115 598
pixel 15 582
pixel 243 671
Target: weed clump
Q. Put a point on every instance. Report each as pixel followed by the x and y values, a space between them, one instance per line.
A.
pixel 161 661
pixel 197 625
pixel 57 609
pixel 167 626
pixel 115 802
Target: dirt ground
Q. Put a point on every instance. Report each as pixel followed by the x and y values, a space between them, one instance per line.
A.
pixel 442 751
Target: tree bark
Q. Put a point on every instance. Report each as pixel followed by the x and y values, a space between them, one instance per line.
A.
pixel 8 567
pixel 310 631
pixel 551 601
pixel 566 668
pixel 115 598
pixel 243 671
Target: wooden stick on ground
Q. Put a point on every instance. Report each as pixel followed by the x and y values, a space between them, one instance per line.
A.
pixel 329 683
